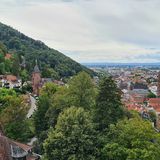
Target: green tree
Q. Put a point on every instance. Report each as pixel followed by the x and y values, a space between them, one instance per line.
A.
pixel 13 118
pixel 40 120
pixel 24 75
pixel 5 95
pixel 132 139
pixel 151 95
pixel 1 57
pixel 82 91
pixel 49 89
pixel 108 108
pixel 3 48
pixel 60 101
pixel 153 116
pixel 2 68
pixel 40 117
pixel 50 73
pixel 8 65
pixel 73 138
pixel 45 101
pixel 15 65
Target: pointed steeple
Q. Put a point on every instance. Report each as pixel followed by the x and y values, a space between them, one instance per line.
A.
pixel 36 68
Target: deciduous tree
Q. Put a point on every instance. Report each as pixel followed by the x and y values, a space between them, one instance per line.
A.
pixel 132 139
pixel 73 138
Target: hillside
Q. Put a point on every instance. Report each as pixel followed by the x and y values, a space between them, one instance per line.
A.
pixel 50 61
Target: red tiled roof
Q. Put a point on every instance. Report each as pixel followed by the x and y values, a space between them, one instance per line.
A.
pixel 155 103
pixel 11 78
pixel 154 100
pixel 157 109
pixel 134 107
pixel 137 99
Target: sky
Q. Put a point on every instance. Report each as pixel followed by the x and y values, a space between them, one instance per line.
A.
pixel 121 31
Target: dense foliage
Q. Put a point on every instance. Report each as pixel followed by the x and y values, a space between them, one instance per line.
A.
pixel 6 65
pixel 108 109
pixel 82 91
pixel 53 100
pixel 52 63
pixel 74 137
pixel 132 139
pixel 13 111
pixel 41 120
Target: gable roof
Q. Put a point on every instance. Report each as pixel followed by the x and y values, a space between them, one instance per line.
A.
pixel 11 149
pixel 23 146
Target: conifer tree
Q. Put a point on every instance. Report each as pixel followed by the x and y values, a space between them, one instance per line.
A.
pixel 108 104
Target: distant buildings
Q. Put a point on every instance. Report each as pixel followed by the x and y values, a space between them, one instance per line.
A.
pixel 154 103
pixel 158 86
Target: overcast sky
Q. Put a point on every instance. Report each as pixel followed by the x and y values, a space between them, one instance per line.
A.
pixel 90 30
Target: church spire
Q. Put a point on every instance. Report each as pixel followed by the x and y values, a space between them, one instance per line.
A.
pixel 36 68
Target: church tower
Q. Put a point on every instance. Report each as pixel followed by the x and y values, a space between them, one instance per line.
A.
pixel 36 79
pixel 158 85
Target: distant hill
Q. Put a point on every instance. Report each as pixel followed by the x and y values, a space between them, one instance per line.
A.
pixel 117 65
pixel 50 61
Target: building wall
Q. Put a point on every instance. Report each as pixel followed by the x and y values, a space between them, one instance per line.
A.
pixel 36 83
pixel 4 149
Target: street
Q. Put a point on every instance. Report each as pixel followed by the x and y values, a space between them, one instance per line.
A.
pixel 33 107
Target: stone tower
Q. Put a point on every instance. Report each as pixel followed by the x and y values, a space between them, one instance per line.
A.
pixel 158 86
pixel 36 80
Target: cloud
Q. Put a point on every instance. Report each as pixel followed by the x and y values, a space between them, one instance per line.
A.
pixel 90 30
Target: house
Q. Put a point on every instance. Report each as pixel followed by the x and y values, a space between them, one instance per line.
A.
pixel 10 81
pixel 12 150
pixel 138 96
pixel 135 107
pixel 154 103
